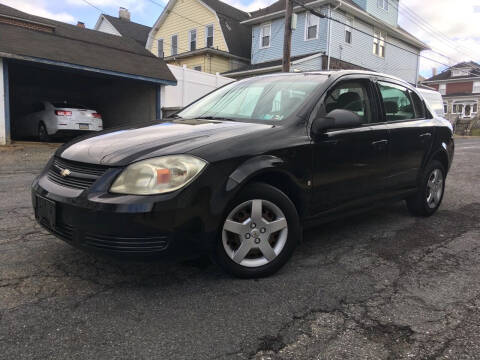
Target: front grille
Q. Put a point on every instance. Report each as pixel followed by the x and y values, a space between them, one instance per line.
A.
pixel 127 244
pixel 81 175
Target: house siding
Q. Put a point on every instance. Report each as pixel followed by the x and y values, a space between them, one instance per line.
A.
pixel 390 16
pixel 460 87
pixel 361 3
pixel 299 45
pixel 397 61
pixel 175 24
pixel 313 64
pixel 210 64
pixel 106 27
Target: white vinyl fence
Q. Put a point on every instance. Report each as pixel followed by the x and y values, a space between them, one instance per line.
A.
pixel 191 85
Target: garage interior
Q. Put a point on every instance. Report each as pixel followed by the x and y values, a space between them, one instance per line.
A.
pixel 120 101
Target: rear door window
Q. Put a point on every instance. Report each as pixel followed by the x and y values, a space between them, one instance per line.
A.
pixel 419 106
pixel 396 102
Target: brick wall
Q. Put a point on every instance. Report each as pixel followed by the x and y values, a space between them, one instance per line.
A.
pixel 336 64
pixel 26 24
pixel 459 87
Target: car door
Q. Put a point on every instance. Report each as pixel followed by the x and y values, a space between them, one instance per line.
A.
pixel 350 166
pixel 411 134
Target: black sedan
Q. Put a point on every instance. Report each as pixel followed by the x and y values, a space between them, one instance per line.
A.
pixel 242 171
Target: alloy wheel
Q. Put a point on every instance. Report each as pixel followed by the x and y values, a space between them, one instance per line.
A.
pixel 254 233
pixel 434 188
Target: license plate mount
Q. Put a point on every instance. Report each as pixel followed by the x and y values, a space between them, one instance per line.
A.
pixel 84 126
pixel 46 211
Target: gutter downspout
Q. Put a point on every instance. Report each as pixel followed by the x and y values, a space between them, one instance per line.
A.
pixel 418 68
pixel 330 30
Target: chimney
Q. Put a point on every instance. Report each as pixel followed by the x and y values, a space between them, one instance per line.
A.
pixel 434 71
pixel 81 24
pixel 123 14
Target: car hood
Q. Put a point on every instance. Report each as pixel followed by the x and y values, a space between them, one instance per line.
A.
pixel 124 145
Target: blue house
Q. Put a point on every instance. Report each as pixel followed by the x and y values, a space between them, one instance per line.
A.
pixel 355 34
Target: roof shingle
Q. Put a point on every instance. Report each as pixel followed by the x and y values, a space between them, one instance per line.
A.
pixel 71 44
pixel 130 29
pixel 447 74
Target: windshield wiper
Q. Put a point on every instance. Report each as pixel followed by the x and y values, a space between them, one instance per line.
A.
pixel 213 118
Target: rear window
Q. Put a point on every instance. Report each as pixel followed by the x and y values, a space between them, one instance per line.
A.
pixel 67 105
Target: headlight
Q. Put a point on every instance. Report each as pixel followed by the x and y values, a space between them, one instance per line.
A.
pixel 158 175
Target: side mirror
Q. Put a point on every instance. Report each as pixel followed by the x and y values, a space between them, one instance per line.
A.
pixel 335 119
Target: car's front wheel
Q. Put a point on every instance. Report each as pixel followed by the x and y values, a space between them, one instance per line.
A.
pixel 430 193
pixel 259 234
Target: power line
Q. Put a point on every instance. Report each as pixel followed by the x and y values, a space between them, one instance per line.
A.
pixel 94 6
pixel 425 26
pixel 180 15
pixel 316 13
pixel 433 31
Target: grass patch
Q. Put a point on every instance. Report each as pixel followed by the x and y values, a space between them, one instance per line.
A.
pixel 475 132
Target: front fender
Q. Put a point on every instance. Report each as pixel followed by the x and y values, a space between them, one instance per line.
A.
pixel 249 168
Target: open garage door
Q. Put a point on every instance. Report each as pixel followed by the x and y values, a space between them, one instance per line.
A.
pixel 119 101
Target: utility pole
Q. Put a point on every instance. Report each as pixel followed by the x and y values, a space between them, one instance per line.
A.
pixel 287 39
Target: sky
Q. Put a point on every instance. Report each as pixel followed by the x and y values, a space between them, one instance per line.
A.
pixel 451 28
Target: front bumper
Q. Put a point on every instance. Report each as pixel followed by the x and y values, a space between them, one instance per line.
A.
pixel 179 223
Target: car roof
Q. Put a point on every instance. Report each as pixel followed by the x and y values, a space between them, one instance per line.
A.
pixel 340 73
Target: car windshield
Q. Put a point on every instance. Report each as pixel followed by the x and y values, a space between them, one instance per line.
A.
pixel 271 99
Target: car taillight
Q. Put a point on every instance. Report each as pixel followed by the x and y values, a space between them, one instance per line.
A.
pixel 96 116
pixel 63 113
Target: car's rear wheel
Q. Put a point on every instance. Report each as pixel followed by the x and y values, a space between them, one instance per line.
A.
pixel 430 193
pixel 42 132
pixel 259 234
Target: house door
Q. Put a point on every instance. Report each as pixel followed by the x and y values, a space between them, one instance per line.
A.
pixel 468 110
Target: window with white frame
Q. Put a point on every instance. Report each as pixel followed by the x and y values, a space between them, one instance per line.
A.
pixel 476 87
pixel 382 4
pixel 379 43
pixel 311 26
pixel 442 89
pixel 348 29
pixel 445 108
pixel 209 36
pixel 192 39
pixel 460 72
pixel 454 108
pixel 160 48
pixel 174 45
pixel 475 108
pixel 265 35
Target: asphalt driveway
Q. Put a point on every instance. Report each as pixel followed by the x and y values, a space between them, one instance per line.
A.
pixel 382 285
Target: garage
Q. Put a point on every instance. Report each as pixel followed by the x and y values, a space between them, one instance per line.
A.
pixel 44 61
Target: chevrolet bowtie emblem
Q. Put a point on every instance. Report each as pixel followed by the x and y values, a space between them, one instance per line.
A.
pixel 65 172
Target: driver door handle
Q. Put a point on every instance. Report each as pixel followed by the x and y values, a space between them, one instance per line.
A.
pixel 425 137
pixel 380 144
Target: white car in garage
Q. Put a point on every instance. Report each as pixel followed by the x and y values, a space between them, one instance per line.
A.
pixel 49 119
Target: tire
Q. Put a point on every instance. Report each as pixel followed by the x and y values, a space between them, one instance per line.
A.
pixel 253 246
pixel 42 133
pixel 430 193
